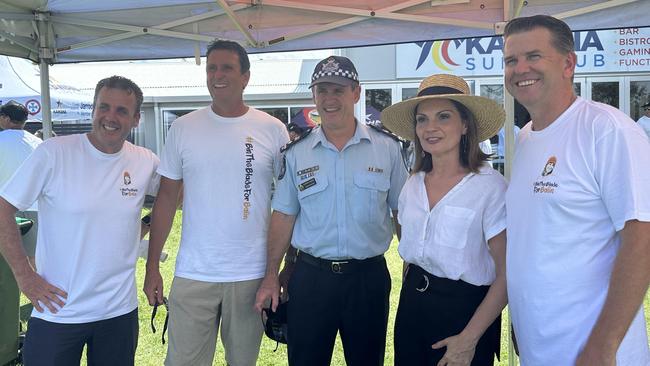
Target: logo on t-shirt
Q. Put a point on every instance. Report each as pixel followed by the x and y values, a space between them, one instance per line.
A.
pixel 550 165
pixel 249 157
pixel 128 192
pixel 545 184
pixel 127 178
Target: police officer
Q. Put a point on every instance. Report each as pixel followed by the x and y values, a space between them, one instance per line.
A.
pixel 333 203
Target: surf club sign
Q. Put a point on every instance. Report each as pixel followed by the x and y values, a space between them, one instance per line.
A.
pixel 614 50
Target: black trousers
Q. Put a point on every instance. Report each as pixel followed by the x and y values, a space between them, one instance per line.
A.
pixel 110 342
pixel 323 303
pixel 443 309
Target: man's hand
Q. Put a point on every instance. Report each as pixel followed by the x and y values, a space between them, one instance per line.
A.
pixel 153 286
pixel 39 291
pixel 284 277
pixel 269 289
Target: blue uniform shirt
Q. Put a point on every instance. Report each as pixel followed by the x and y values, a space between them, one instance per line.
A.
pixel 342 199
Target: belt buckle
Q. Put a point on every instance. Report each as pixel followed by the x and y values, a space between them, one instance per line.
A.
pixel 338 266
pixel 425 284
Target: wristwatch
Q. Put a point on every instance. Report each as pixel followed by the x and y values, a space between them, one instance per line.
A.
pixel 146 220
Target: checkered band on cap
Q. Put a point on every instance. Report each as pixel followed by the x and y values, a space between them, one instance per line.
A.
pixel 339 72
pixel 335 66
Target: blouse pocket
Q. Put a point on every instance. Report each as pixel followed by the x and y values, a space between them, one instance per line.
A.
pixel 452 226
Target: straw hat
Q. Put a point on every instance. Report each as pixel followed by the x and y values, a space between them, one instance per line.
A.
pixel 488 114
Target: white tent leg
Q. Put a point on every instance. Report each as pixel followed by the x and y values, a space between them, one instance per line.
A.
pixel 45 54
pixel 46 108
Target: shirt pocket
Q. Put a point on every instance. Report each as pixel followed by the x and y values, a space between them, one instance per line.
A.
pixel 314 202
pixel 452 226
pixel 369 197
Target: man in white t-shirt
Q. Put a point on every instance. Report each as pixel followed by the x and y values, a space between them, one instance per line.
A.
pixel 225 156
pixel 578 256
pixel 90 189
pixel 16 145
pixel 644 121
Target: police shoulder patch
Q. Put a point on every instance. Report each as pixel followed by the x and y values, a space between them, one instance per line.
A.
pixel 283 168
pixel 289 144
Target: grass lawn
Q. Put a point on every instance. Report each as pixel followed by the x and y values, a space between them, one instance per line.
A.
pixel 151 352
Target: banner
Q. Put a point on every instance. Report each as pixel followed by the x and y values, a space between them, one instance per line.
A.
pixel 63 109
pixel 614 50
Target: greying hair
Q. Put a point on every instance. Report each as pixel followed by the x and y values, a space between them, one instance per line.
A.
pixel 122 83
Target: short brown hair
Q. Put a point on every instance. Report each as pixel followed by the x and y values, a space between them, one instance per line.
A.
pixel 221 44
pixel 561 34
pixel 122 83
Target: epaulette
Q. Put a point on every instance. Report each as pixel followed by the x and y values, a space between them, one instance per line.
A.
pixel 289 144
pixel 406 153
pixel 386 132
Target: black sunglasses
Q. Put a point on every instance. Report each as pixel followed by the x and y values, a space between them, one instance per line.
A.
pixel 153 315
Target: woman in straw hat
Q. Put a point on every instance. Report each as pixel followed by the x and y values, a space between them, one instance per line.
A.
pixel 452 212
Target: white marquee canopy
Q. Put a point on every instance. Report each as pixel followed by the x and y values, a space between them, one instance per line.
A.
pixel 64 31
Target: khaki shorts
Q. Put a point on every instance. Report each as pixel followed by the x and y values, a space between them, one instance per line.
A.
pixel 197 308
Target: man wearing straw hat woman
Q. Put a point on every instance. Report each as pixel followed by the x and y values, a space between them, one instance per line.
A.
pixel 452 212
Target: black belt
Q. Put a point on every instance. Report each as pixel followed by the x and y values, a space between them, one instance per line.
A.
pixel 339 266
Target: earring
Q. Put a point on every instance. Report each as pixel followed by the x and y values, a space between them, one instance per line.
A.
pixel 463 142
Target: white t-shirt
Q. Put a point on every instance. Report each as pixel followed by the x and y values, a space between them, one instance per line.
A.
pixel 644 122
pixel 450 240
pixel 227 166
pixel 89 222
pixel 486 147
pixel 573 187
pixel 15 147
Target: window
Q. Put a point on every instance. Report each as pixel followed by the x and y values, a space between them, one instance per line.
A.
pixel 280 113
pixel 493 91
pixel 606 92
pixel 577 88
pixel 408 93
pixel 376 101
pixel 169 116
pixel 639 95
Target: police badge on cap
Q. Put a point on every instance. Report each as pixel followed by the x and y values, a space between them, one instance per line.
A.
pixel 335 69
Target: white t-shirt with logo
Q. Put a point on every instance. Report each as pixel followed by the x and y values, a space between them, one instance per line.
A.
pixel 227 166
pixel 573 187
pixel 89 222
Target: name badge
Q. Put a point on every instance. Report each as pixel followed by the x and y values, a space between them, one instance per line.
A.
pixel 308 184
pixel 308 170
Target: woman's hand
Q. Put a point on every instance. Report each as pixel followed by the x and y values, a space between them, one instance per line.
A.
pixel 460 350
